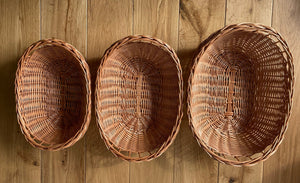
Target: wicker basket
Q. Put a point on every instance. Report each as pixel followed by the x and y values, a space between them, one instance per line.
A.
pixel 240 93
pixel 53 95
pixel 139 98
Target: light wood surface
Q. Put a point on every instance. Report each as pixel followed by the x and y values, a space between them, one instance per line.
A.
pixel 92 26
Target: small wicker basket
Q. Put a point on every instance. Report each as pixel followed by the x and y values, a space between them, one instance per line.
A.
pixel 139 98
pixel 240 93
pixel 53 94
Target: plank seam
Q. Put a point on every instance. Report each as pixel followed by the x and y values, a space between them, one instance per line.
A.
pixel 272 8
pixel 40 36
pixel 218 180
pixel 132 29
pixel 225 17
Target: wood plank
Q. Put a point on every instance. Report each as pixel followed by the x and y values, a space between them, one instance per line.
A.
pixel 284 165
pixel 237 12
pixel 257 11
pixel 108 21
pixel 198 19
pixel 65 20
pixel 157 18
pixel 19 27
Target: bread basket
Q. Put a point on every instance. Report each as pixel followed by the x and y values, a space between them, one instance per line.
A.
pixel 240 93
pixel 139 97
pixel 53 94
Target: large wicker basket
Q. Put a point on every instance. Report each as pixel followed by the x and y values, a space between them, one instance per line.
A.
pixel 53 94
pixel 240 93
pixel 139 98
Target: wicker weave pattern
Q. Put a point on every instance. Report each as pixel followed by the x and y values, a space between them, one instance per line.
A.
pixel 240 93
pixel 53 94
pixel 139 97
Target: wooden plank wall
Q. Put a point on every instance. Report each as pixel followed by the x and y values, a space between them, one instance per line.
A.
pixel 92 26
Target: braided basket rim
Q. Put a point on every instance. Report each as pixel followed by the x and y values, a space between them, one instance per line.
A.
pixel 251 27
pixel 159 43
pixel 85 68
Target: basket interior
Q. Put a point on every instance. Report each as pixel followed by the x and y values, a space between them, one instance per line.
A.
pixel 240 93
pixel 52 95
pixel 138 97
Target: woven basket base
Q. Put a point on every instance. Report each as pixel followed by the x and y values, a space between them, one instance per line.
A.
pixel 238 99
pixel 138 97
pixel 51 98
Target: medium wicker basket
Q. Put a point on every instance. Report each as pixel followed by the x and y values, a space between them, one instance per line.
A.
pixel 139 98
pixel 240 93
pixel 53 94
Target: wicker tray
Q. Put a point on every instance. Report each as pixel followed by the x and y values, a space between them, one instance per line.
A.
pixel 53 95
pixel 139 98
pixel 240 93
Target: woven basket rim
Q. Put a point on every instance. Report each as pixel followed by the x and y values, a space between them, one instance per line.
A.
pixel 34 141
pixel 162 148
pixel 251 27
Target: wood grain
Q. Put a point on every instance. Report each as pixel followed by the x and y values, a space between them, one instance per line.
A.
pixel 198 19
pixel 65 20
pixel 257 11
pixel 157 18
pixel 108 21
pixel 284 165
pixel 237 12
pixel 19 162
pixel 92 26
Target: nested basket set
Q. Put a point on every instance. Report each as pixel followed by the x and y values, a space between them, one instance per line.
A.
pixel 239 95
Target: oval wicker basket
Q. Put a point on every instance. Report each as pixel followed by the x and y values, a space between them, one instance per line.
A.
pixel 53 94
pixel 240 93
pixel 139 98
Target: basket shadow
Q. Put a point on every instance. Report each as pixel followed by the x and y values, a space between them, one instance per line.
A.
pixel 10 131
pixel 186 58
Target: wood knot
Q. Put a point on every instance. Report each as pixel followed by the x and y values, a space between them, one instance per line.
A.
pixel 35 163
pixel 231 180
